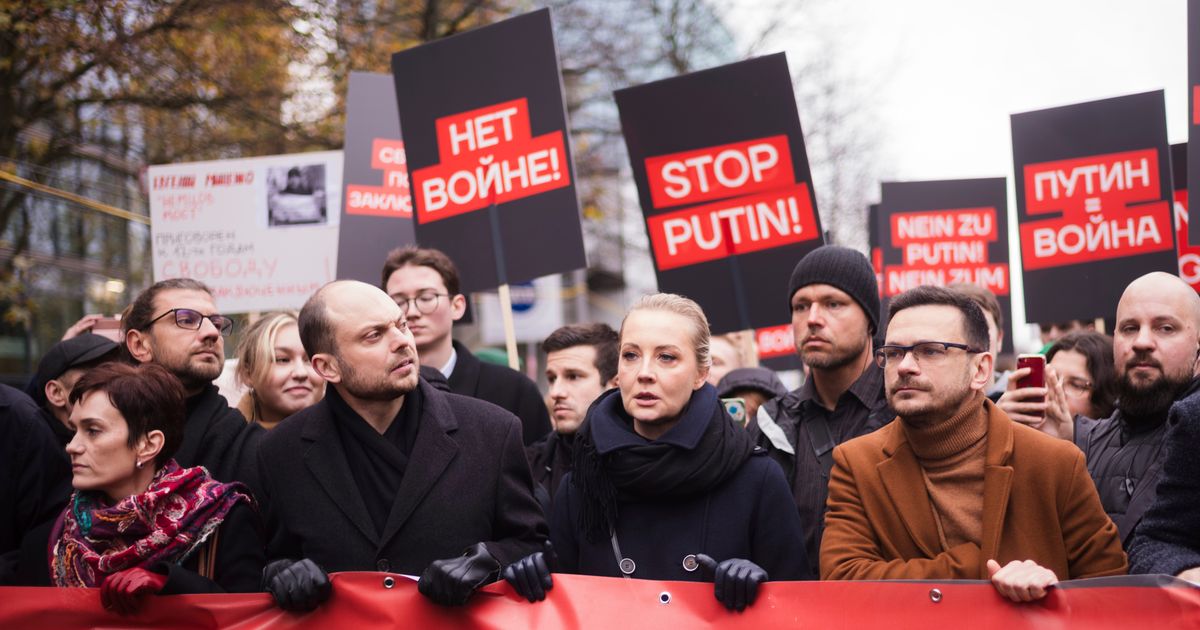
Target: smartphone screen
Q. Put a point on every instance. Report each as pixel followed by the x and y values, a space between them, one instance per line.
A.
pixel 736 408
pixel 108 327
pixel 1037 373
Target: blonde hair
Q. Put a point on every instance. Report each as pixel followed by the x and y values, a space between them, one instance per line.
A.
pixel 672 303
pixel 256 350
pixel 743 344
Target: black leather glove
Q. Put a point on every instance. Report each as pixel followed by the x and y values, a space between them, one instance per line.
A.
pixel 736 580
pixel 451 582
pixel 530 576
pixel 297 586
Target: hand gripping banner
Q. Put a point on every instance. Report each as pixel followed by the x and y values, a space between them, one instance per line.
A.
pixel 378 600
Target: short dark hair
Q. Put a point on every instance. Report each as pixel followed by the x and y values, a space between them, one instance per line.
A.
pixel 974 324
pixel 600 336
pixel 141 312
pixel 314 325
pixel 421 257
pixel 984 298
pixel 148 396
pixel 1097 349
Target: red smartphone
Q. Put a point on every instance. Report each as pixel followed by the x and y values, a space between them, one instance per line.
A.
pixel 109 327
pixel 1037 373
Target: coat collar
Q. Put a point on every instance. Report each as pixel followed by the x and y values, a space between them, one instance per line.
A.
pixel 612 429
pixel 465 377
pixel 904 482
pixel 432 452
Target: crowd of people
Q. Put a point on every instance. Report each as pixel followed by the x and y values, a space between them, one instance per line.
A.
pixel 368 439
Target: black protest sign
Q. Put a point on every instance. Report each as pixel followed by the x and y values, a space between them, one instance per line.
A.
pixel 1093 203
pixel 723 179
pixel 377 208
pixel 875 244
pixel 1193 152
pixel 947 232
pixel 487 142
pixel 1189 255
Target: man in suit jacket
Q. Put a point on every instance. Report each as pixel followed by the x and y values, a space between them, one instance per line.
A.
pixel 424 282
pixel 388 473
pixel 954 489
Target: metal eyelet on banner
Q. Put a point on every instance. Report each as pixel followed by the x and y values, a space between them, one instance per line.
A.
pixel 935 595
pixel 689 563
pixel 389 582
pixel 628 566
pixel 664 597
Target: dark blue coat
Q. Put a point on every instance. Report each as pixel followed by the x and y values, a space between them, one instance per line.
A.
pixel 749 515
pixel 1168 539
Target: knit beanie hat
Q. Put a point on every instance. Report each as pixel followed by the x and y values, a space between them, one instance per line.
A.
pixel 840 267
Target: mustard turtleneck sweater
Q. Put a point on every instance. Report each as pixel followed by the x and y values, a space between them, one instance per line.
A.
pixel 951 454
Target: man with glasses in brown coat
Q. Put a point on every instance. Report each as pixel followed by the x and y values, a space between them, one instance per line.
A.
pixel 954 489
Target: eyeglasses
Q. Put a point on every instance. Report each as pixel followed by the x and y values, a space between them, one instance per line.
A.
pixel 1077 387
pixel 927 353
pixel 426 302
pixel 188 319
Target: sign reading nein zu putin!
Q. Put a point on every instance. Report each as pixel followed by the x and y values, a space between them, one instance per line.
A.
pixel 723 179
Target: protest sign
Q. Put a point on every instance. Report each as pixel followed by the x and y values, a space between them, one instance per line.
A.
pixel 1093 203
pixel 723 179
pixel 947 232
pixel 377 213
pixel 486 138
pixel 1189 255
pixel 777 348
pixel 261 232
pixel 537 311
pixel 875 245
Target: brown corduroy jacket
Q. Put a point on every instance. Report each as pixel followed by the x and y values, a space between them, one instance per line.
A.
pixel 1039 504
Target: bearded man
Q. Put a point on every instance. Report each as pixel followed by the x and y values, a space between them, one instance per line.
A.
pixel 834 301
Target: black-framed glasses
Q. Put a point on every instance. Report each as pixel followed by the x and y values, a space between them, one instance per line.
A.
pixel 926 353
pixel 426 302
pixel 189 319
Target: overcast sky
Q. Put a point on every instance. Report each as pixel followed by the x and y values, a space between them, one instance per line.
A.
pixel 945 75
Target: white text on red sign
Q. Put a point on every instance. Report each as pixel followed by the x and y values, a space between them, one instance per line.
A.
pixel 1111 206
pixel 488 156
pixel 941 247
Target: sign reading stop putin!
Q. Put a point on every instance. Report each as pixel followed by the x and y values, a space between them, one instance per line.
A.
pixel 724 186
pixel 1094 203
pixel 485 136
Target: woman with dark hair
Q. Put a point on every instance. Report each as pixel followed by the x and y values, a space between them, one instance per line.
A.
pixel 137 523
pixel 665 486
pixel 1082 378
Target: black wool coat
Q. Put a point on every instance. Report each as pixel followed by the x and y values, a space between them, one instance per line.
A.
pixel 35 475
pixel 466 481
pixel 750 515
pixel 218 437
pixel 504 387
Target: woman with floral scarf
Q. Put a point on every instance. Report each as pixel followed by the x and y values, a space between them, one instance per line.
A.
pixel 137 523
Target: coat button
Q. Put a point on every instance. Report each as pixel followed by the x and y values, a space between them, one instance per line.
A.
pixel 689 563
pixel 383 565
pixel 628 566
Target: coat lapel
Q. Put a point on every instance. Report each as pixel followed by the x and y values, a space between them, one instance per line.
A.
pixel 465 377
pixel 326 459
pixel 905 486
pixel 431 454
pixel 997 482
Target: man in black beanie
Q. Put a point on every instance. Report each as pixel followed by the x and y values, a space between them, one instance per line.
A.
pixel 834 300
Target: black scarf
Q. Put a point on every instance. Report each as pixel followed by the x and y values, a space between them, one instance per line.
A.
pixel 614 464
pixel 377 462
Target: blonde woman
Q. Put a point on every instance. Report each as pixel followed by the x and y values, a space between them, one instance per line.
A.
pixel 276 371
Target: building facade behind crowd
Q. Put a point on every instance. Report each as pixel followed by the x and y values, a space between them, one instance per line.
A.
pixel 425 283
pixel 834 301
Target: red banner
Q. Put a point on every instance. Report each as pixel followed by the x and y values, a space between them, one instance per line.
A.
pixel 365 600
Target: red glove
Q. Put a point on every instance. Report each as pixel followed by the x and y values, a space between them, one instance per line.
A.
pixel 122 592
